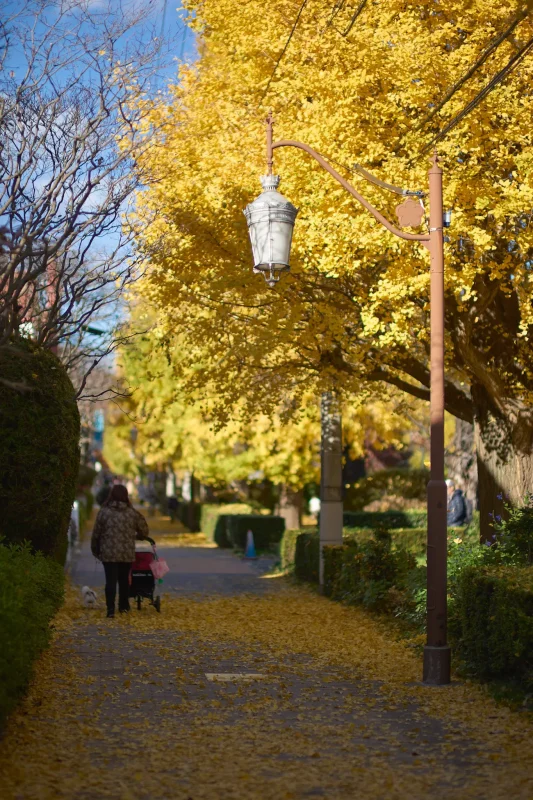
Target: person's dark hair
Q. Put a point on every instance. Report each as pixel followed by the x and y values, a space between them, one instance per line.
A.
pixel 119 494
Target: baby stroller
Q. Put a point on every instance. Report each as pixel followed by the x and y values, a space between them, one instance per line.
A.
pixel 142 579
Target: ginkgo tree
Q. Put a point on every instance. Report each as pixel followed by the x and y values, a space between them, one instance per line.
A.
pixel 370 84
pixel 176 429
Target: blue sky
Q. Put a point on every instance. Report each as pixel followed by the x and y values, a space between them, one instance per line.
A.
pixel 166 17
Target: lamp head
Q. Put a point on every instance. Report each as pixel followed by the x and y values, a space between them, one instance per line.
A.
pixel 270 225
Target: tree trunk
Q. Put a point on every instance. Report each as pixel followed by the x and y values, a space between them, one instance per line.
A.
pixel 503 443
pixel 461 461
pixel 290 507
pixel 331 505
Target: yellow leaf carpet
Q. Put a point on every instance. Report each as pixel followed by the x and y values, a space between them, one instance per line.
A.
pixel 124 709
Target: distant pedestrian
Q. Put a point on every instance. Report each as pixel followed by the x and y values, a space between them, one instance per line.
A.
pixel 457 510
pixel 116 528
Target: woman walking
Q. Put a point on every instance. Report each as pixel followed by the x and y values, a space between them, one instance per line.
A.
pixel 116 528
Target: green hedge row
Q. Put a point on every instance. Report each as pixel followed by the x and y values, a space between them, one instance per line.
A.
pixel 287 549
pixel 31 591
pixel 307 556
pixel 491 622
pixel 39 448
pixel 213 520
pixel 370 573
pixel 189 514
pixel 491 602
pixel 385 519
pixel 267 530
pixel 228 525
pixel 300 550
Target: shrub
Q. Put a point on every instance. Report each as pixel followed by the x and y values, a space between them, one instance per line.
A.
pixel 491 622
pixel 31 591
pixel 370 573
pixel 385 519
pixel 267 530
pixel 307 556
pixel 412 539
pixel 39 452
pixel 406 484
pixel 287 550
pixel 514 535
pixel 304 557
pixel 189 514
pixel 213 520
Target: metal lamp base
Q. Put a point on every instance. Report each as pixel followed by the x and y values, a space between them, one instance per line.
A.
pixel 437 665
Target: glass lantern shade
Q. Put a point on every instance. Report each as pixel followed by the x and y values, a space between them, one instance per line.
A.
pixel 270 224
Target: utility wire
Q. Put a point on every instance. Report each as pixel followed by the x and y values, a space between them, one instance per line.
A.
pixel 183 39
pixel 304 3
pixel 493 45
pixel 161 34
pixel 492 84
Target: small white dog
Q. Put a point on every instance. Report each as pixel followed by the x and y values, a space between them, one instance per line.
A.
pixel 89 597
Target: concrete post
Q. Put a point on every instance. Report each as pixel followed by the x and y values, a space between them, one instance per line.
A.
pixel 330 529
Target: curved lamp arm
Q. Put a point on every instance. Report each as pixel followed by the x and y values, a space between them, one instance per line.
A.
pixel 417 237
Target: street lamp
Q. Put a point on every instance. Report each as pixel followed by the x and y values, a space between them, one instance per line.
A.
pixel 270 221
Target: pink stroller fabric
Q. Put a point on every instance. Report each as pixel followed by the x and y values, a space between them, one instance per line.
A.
pixel 159 568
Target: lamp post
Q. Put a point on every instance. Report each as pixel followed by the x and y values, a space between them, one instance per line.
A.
pixel 270 222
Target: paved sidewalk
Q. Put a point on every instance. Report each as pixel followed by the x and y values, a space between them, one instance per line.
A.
pixel 128 708
pixel 193 570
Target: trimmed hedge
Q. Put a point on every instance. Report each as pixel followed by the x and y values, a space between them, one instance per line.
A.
pixel 491 601
pixel 307 556
pixel 412 539
pixel 370 573
pixel 287 549
pixel 213 520
pixel 301 549
pixel 385 519
pixel 304 555
pixel 491 622
pixel 39 448
pixel 189 514
pixel 31 591
pixel 267 530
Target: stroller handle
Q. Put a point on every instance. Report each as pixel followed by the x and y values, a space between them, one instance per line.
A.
pixel 148 539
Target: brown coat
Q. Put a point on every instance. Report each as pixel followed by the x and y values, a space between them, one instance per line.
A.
pixel 115 530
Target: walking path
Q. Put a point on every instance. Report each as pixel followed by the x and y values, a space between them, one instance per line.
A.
pixel 131 708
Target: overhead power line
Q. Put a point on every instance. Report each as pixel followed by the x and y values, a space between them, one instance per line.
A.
pixel 492 84
pixel 287 43
pixel 492 46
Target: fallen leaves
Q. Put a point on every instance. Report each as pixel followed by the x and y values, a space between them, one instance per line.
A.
pixel 126 710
